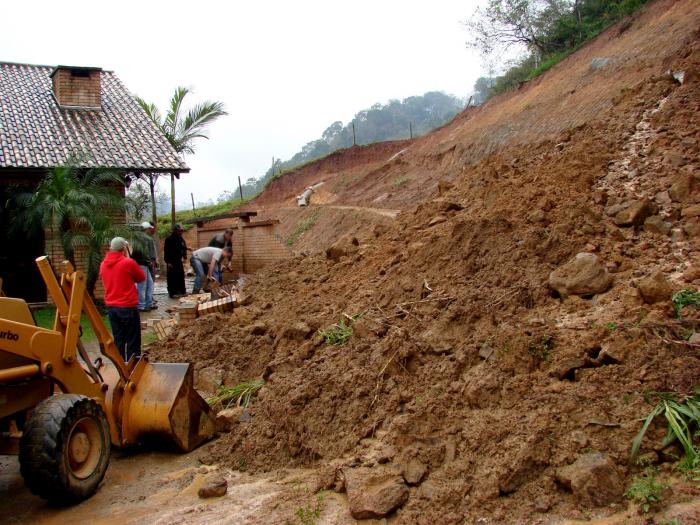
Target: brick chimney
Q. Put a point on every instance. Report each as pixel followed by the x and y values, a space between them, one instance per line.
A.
pixel 77 87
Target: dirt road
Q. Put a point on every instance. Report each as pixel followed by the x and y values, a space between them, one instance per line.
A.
pixel 161 488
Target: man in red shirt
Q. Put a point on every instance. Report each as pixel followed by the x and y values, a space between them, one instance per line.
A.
pixel 120 273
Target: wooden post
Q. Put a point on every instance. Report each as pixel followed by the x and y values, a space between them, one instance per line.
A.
pixel 241 232
pixel 354 142
pixel 240 188
pixel 410 129
pixel 172 197
pixel 194 212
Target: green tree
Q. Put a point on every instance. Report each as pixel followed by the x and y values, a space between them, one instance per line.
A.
pixel 181 128
pixel 97 234
pixel 502 24
pixel 482 90
pixel 544 31
pixel 138 201
pixel 73 204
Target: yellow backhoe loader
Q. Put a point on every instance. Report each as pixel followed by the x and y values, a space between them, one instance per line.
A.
pixel 62 413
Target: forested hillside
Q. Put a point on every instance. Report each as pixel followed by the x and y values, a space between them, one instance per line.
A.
pixel 396 119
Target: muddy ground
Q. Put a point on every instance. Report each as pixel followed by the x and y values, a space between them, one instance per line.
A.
pixel 161 488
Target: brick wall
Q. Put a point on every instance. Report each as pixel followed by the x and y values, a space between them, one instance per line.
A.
pixel 77 87
pixel 255 244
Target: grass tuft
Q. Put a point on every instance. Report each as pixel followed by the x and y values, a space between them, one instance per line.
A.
pixel 685 298
pixel 541 348
pixel 302 226
pixel 239 395
pixel 683 418
pixel 339 333
pixel 645 490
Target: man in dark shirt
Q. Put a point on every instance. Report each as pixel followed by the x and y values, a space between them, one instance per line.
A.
pixel 144 253
pixel 174 253
pixel 222 240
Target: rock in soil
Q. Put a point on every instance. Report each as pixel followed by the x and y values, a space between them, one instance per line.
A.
pixel 583 275
pixel 413 472
pixel 655 288
pixel 635 213
pixel 682 190
pixel 594 479
pixel 655 224
pixel 374 493
pixel 228 418
pixel 214 486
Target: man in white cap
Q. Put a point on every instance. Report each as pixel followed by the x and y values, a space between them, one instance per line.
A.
pixel 144 253
pixel 119 273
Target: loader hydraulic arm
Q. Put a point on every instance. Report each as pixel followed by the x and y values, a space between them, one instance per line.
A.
pixel 68 314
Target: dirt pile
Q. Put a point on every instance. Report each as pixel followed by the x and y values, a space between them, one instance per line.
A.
pixel 493 396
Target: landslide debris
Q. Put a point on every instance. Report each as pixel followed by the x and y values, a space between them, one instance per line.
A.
pixel 472 389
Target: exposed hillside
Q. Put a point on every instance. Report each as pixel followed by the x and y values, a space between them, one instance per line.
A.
pixel 569 95
pixel 493 376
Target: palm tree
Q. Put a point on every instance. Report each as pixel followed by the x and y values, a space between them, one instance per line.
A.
pixel 181 130
pixel 98 233
pixel 71 203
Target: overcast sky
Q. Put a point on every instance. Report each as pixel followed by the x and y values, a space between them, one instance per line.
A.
pixel 285 70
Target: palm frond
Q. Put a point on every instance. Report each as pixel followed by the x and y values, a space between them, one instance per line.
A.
pixel 151 111
pixel 172 118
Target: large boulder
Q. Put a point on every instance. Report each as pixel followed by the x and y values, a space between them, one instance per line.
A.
pixel 209 379
pixel 296 332
pixel 374 493
pixel 343 247
pixel 594 479
pixel 582 275
pixel 655 288
pixel 691 211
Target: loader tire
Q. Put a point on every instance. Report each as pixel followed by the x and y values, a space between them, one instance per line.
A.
pixel 64 449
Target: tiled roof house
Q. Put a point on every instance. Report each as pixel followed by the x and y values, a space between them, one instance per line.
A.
pixel 50 114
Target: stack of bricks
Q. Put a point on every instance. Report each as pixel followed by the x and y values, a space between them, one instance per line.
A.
pixel 187 312
pixel 219 305
pixel 163 328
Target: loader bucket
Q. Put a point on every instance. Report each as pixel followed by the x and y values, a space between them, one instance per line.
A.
pixel 160 402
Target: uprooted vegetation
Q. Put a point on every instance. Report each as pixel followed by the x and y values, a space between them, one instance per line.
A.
pixel 497 374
